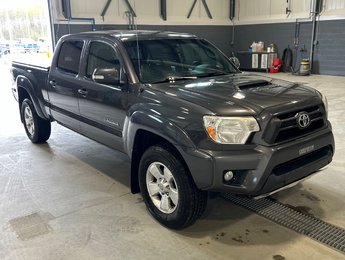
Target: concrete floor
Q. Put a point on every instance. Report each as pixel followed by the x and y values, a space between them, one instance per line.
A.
pixel 70 199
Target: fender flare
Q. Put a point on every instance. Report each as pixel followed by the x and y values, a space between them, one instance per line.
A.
pixel 162 127
pixel 169 131
pixel 157 125
pixel 24 83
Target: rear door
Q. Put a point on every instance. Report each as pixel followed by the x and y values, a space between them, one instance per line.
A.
pixel 63 84
pixel 103 106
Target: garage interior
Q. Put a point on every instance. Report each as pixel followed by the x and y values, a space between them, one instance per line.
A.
pixel 70 197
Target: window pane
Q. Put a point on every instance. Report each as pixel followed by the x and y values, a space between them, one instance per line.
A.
pixel 157 60
pixel 101 55
pixel 69 57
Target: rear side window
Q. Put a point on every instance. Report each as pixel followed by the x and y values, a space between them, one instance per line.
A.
pixel 69 56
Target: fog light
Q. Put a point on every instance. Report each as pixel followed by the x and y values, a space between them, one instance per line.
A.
pixel 228 176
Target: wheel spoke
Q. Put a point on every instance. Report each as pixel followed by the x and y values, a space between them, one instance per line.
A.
pixel 167 174
pixel 165 203
pixel 173 196
pixel 153 188
pixel 155 171
pixel 29 121
pixel 31 128
pixel 28 113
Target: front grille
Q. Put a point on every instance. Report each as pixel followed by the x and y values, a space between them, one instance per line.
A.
pixel 285 126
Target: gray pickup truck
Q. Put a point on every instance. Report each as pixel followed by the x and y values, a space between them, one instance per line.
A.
pixel 189 120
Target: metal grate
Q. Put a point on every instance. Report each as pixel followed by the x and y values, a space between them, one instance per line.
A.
pixel 305 224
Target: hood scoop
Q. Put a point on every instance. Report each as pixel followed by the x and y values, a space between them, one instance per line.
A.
pixel 253 84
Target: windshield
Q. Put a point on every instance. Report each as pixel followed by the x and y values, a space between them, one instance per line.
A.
pixel 165 59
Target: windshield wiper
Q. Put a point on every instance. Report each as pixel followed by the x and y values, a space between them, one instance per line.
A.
pixel 172 79
pixel 210 74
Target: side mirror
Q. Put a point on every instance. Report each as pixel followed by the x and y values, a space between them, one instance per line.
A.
pixel 235 61
pixel 109 76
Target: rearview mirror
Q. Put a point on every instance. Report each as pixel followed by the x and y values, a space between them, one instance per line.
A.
pixel 109 76
pixel 235 61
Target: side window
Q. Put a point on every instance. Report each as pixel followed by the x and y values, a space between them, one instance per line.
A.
pixel 101 55
pixel 69 56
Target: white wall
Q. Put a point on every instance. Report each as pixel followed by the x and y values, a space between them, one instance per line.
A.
pixel 148 11
pixel 256 10
pixel 334 7
pixel 247 11
pixel 268 11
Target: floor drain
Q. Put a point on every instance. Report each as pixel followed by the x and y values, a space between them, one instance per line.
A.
pixel 305 224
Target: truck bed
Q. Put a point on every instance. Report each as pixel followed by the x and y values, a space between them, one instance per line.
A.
pixel 36 74
pixel 35 59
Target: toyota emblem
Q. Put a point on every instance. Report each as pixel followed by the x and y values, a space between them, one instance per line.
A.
pixel 303 119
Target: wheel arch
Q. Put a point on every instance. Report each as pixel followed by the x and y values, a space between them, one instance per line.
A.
pixel 142 141
pixel 145 130
pixel 26 90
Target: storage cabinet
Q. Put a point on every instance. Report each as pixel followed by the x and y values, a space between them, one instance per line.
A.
pixel 256 61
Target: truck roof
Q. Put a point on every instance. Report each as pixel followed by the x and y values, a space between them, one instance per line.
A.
pixel 128 35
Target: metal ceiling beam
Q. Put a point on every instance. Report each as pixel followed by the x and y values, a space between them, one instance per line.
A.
pixel 163 9
pixel 205 6
pixel 191 9
pixel 130 8
pixel 105 9
pixel 232 10
pixel 207 9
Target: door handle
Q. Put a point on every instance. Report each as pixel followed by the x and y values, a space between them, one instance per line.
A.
pixel 52 83
pixel 82 92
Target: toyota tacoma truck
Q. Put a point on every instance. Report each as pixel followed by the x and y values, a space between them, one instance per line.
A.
pixel 188 119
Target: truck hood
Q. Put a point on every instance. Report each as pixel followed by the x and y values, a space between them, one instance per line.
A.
pixel 243 94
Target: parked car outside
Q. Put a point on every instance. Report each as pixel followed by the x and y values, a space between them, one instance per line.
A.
pixel 31 47
pixel 44 44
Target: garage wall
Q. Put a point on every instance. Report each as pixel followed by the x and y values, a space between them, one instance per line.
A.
pixel 266 10
pixel 255 20
pixel 329 54
pixel 270 23
pixel 220 35
pixel 274 11
pixel 217 30
pixel 147 11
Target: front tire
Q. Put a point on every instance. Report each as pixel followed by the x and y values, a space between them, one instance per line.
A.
pixel 168 189
pixel 37 129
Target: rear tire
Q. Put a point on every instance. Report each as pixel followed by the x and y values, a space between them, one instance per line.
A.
pixel 37 129
pixel 168 189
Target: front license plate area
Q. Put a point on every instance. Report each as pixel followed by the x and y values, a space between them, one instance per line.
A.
pixel 306 150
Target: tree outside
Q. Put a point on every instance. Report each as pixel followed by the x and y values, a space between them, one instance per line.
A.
pixel 23 20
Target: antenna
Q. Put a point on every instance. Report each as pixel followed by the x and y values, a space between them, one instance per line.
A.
pixel 138 50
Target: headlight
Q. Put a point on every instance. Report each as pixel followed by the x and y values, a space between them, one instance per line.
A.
pixel 230 130
pixel 325 103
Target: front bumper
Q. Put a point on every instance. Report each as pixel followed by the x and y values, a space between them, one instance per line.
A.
pixel 262 169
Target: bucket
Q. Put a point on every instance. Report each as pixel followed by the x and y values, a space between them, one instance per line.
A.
pixel 304 67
